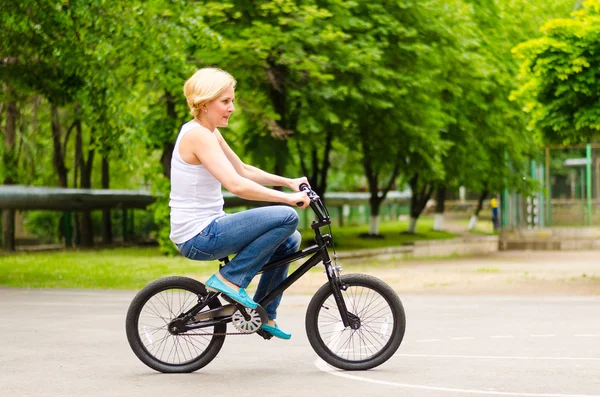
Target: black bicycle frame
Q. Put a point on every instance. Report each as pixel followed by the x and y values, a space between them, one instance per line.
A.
pixel 319 254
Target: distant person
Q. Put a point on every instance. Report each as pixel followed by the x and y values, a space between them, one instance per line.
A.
pixel 203 161
pixel 494 207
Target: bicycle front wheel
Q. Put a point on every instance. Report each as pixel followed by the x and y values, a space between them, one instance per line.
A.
pixel 149 315
pixel 381 330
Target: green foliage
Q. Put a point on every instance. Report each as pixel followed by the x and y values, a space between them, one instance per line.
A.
pixel 45 225
pixel 362 94
pixel 161 211
pixel 558 76
pixel 492 142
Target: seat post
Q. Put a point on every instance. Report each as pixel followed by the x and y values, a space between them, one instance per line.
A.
pixel 223 262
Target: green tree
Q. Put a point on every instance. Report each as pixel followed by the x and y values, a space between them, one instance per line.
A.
pixel 284 80
pixel 559 87
pixel 9 163
pixel 500 144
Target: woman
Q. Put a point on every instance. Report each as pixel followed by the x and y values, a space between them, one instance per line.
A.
pixel 202 162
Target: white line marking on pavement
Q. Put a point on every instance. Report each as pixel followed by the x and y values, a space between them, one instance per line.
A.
pixel 501 357
pixel 321 365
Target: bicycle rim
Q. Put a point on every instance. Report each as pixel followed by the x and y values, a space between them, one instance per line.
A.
pixel 377 325
pixel 154 317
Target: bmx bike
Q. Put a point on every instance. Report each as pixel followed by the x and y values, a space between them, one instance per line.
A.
pixel 353 322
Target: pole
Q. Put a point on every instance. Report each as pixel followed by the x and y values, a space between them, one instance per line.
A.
pixel 588 172
pixel 504 201
pixel 541 195
pixel 534 205
pixel 68 229
pixel 124 225
pixel 582 195
pixel 132 225
pixel 548 189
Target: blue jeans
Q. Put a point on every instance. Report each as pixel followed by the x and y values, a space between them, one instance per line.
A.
pixel 258 236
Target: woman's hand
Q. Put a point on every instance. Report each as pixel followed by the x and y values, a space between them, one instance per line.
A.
pixel 295 183
pixel 298 199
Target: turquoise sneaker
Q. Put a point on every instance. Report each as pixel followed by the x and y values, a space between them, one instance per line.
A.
pixel 239 296
pixel 276 331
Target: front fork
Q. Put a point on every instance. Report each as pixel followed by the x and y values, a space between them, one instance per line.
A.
pixel 337 286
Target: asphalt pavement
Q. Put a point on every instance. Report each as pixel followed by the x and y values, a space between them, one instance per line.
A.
pixel 73 343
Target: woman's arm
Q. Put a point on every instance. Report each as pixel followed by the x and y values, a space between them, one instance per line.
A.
pixel 256 174
pixel 208 151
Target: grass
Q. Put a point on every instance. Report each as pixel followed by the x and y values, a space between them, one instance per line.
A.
pixel 119 268
pixel 488 270
pixel 584 276
pixel 134 267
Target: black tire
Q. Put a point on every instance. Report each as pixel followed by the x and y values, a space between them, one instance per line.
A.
pixel 365 297
pixel 159 302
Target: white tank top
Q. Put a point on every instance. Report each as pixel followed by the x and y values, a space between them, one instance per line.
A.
pixel 196 198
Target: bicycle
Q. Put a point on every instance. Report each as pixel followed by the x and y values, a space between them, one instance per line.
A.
pixel 353 322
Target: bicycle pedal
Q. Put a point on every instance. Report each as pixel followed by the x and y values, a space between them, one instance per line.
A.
pixel 264 334
pixel 229 300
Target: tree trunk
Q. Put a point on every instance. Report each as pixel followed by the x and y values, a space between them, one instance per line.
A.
pixel 10 167
pixel 374 198
pixel 317 175
pixel 280 161
pixel 85 218
pixel 375 206
pixel 77 166
pixel 165 158
pixel 480 201
pixel 372 175
pixel 412 226
pixel 107 237
pixel 326 163
pixel 418 201
pixel 288 114
pixel 440 201
pixel 168 147
pixel 58 154
pixel 8 230
pixel 475 216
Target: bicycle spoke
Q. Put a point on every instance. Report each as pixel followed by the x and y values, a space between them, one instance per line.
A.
pixel 153 322
pixel 370 338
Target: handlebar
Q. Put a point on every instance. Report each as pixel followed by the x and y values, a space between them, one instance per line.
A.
pixel 315 203
pixel 304 188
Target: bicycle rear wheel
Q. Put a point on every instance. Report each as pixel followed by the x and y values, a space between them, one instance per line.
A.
pixel 147 323
pixel 381 330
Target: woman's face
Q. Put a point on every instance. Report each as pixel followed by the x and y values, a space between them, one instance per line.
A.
pixel 219 110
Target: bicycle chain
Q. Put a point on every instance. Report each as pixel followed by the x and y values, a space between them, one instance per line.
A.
pixel 226 333
pixel 220 334
pixel 223 333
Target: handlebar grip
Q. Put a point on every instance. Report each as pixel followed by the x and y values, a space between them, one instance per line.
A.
pixel 304 187
pixel 299 203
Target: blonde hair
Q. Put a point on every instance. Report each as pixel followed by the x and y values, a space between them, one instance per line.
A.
pixel 206 85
